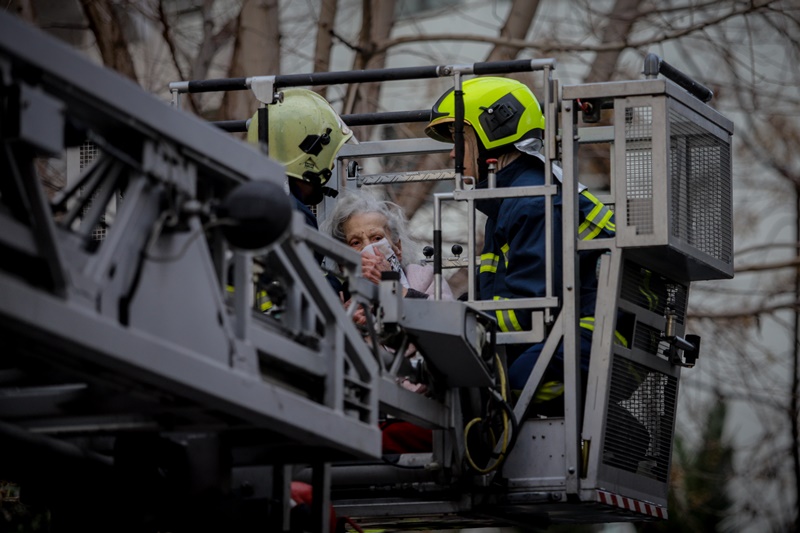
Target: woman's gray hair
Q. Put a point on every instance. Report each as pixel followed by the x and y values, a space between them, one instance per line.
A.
pixel 350 203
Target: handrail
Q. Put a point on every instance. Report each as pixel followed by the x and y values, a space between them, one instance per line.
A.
pixel 360 76
pixel 653 65
pixel 355 119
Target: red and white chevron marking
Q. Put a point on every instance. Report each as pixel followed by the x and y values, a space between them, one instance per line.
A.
pixel 629 504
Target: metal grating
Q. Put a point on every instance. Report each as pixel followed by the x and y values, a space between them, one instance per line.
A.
pixel 88 153
pixel 639 168
pixel 651 291
pixel 700 178
pixel 640 420
pixel 648 339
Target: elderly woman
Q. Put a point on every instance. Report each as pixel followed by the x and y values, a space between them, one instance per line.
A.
pixel 378 229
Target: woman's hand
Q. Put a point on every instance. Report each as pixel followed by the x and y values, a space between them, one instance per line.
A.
pixel 373 265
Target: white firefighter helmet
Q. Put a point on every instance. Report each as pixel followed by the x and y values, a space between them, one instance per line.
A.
pixel 304 135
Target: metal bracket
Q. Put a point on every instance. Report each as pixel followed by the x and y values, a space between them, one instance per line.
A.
pixel 263 88
pixel 40 120
pixel 681 351
pixel 161 160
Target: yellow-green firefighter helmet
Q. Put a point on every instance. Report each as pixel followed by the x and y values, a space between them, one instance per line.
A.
pixel 502 111
pixel 304 135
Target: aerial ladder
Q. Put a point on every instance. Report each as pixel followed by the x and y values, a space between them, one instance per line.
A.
pixel 139 393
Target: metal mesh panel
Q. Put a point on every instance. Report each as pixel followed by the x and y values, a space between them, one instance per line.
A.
pixel 639 168
pixel 647 339
pixel 100 231
pixel 88 153
pixel 700 175
pixel 640 419
pixel 653 292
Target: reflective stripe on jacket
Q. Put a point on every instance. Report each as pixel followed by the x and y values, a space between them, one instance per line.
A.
pixel 513 259
pixel 262 303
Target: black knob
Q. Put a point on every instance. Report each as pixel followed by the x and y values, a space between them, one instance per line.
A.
pixel 261 213
pixel 457 249
pixel 427 251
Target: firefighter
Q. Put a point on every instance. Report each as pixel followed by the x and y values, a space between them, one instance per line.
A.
pixel 304 135
pixel 504 121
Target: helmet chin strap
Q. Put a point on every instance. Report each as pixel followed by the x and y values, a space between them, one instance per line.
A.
pixel 458 128
pixel 317 194
pixel 308 193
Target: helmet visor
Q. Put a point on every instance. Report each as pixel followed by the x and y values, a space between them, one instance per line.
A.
pixel 440 129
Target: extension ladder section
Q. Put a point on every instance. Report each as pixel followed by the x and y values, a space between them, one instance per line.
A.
pixel 136 364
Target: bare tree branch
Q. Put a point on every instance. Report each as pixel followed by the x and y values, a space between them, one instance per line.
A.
pixel 376 26
pixel 516 26
pixel 255 51
pixel 24 8
pixel 166 34
pixel 767 246
pixel 105 25
pixel 793 262
pixel 324 45
pixel 750 314
pixel 582 47
pixel 620 21
pixel 211 41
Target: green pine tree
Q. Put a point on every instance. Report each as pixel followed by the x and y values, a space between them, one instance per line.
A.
pixel 698 495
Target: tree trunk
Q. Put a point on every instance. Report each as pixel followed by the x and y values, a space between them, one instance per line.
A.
pixel 212 41
pixel 620 22
pixel 256 52
pixel 24 8
pixel 516 26
pixel 324 44
pixel 594 159
pixel 794 390
pixel 107 30
pixel 376 26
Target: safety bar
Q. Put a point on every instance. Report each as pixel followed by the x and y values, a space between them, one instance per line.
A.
pixel 356 119
pixel 362 76
pixel 653 65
